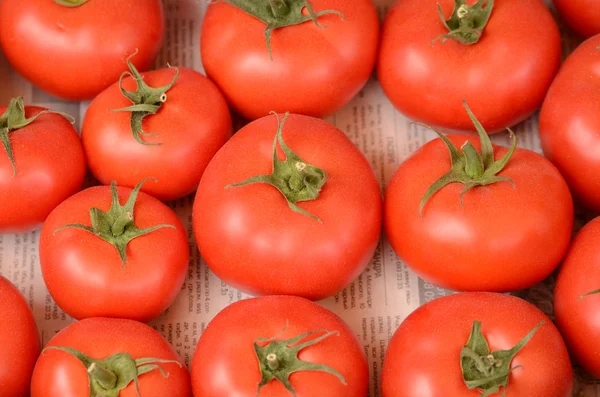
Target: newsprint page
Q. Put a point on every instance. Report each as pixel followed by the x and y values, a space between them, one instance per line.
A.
pixel 374 305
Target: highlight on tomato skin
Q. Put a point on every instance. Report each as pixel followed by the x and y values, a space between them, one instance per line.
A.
pixel 297 205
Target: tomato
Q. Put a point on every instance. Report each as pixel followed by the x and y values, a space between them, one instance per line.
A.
pixel 190 126
pixel 312 68
pixel 74 52
pixel 425 356
pixel 576 299
pixel 494 237
pixel 570 123
pixel 257 242
pixel 19 342
pixel 256 344
pixel 48 167
pixel 504 76
pixel 61 372
pixel 583 16
pixel 130 264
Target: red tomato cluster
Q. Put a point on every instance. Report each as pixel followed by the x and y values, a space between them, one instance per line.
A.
pixel 288 208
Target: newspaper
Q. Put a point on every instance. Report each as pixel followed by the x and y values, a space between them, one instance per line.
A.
pixel 374 305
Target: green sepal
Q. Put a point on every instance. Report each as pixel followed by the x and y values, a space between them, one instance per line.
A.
pixel 278 359
pixel 485 370
pixel 295 179
pixel 71 3
pixel 466 24
pixel 280 13
pixel 117 226
pixel 146 100
pixel 111 375
pixel 470 167
pixel 594 292
pixel 13 119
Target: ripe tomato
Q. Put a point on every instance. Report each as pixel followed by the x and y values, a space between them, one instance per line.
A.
pixel 426 356
pixel 504 76
pixel 74 52
pixel 257 242
pixel 261 341
pixel 315 69
pixel 62 373
pixel 49 165
pixel 136 278
pixel 583 16
pixel 570 123
pixel 495 237
pixel 191 125
pixel 576 311
pixel 19 342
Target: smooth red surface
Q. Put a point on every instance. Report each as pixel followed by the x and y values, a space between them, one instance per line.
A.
pixel 578 319
pixel 423 357
pixel 59 374
pixel 84 273
pixel 191 126
pixel 504 77
pixel 76 52
pixel 225 363
pixel 501 238
pixel 314 71
pixel 50 167
pixel 583 16
pixel 570 123
pixel 19 342
pixel 253 241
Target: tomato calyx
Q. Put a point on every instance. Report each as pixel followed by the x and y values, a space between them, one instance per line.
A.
pixel 470 167
pixel 117 226
pixel 111 375
pixel 280 13
pixel 295 179
pixel 594 292
pixel 466 24
pixel 13 119
pixel 71 3
pixel 146 100
pixel 278 359
pixel 485 370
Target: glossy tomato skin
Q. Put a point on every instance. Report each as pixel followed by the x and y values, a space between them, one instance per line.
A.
pixel 501 238
pixel 504 77
pixel 423 357
pixel 70 52
pixel 271 249
pixel 85 275
pixel 50 167
pixel 583 16
pixel 234 370
pixel 58 374
pixel 314 71
pixel 19 342
pixel 576 317
pixel 191 125
pixel 570 123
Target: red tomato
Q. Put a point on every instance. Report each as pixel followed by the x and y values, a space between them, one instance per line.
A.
pixel 254 335
pixel 314 70
pixel 504 76
pixel 191 125
pixel 59 373
pixel 501 238
pixel 570 123
pixel 85 274
pixel 49 165
pixel 424 356
pixel 19 342
pixel 76 52
pixel 252 239
pixel 583 16
pixel 576 313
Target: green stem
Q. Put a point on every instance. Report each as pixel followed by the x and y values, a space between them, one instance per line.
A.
pixel 121 223
pixel 279 8
pixel 104 377
pixel 272 361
